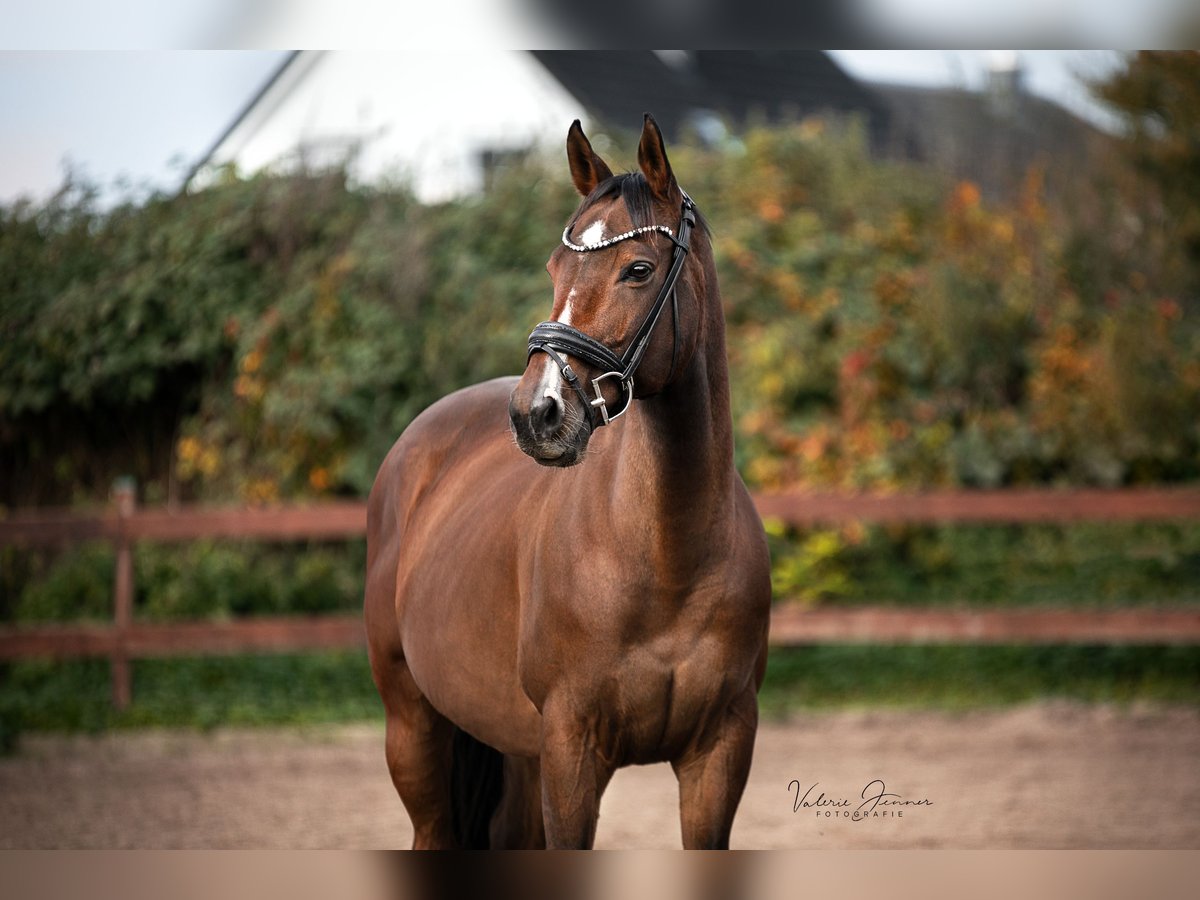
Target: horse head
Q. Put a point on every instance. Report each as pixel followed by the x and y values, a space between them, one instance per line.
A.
pixel 627 311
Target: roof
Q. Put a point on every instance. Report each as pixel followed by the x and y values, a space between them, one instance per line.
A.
pixel 743 86
pixel 993 137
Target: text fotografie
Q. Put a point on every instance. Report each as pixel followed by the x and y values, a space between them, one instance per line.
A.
pixel 875 802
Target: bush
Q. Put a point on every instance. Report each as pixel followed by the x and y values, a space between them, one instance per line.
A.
pixel 77 585
pixel 887 331
pixel 1094 565
pixel 270 337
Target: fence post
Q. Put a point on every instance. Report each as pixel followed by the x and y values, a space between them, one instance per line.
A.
pixel 125 499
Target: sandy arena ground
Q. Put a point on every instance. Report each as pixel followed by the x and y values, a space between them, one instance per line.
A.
pixel 1051 775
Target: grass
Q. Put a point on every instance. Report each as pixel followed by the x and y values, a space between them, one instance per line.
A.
pixel 311 688
pixel 956 676
pixel 289 689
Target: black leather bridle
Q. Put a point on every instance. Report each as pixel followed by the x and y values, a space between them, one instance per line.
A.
pixel 558 340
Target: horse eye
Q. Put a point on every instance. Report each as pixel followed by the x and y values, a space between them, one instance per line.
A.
pixel 638 271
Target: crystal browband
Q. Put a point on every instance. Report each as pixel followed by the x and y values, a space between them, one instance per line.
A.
pixel 608 242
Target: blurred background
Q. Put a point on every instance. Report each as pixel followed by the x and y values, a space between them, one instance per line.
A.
pixel 231 279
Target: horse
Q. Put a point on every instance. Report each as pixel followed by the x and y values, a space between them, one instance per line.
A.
pixel 565 572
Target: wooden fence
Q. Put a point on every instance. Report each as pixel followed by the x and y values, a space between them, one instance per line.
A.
pixel 124 525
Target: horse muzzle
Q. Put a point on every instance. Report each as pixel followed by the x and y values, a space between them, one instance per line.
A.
pixel 553 431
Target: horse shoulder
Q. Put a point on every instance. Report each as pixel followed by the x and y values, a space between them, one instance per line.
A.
pixel 438 442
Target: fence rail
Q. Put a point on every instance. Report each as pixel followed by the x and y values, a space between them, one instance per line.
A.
pixel 899 625
pixel 349 519
pixel 327 521
pixel 982 507
pixel 125 525
pixel 249 635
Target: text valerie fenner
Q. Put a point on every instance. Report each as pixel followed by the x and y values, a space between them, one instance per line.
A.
pixel 874 802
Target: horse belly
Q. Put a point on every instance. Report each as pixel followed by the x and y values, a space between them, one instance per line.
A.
pixel 459 614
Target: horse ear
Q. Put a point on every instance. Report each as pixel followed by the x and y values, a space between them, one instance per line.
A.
pixel 587 169
pixel 652 157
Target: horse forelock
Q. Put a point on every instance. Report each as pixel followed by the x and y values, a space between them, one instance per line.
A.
pixel 634 191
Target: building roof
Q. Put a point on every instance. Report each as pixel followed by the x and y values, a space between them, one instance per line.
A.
pixel 742 86
pixel 992 137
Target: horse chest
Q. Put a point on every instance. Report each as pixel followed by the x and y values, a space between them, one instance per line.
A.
pixel 664 703
pixel 650 681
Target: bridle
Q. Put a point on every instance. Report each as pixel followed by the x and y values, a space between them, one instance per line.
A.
pixel 558 340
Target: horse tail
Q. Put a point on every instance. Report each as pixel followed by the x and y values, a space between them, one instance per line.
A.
pixel 476 779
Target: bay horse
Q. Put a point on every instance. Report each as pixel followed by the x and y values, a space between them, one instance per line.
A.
pixel 597 595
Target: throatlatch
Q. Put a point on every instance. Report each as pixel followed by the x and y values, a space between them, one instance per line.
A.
pixel 558 340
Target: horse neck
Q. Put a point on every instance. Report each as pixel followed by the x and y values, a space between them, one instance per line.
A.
pixel 674 468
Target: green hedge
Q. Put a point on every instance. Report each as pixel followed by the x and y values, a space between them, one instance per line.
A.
pixel 1084 565
pixel 269 337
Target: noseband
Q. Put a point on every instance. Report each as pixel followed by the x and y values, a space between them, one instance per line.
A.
pixel 558 340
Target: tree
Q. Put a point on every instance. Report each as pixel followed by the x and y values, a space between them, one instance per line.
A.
pixel 1158 96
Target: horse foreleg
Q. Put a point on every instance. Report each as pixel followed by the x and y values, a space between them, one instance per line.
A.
pixel 713 775
pixel 575 772
pixel 419 742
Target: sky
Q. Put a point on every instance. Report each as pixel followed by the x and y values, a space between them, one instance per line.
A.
pixel 1059 75
pixel 145 116
pixel 142 116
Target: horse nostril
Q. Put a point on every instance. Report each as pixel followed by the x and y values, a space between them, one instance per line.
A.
pixel 546 416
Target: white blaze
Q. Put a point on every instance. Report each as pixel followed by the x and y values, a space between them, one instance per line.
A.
pixel 551 384
pixel 565 318
pixel 552 377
